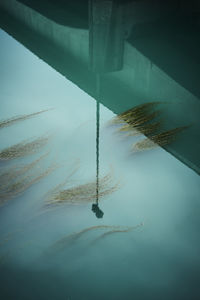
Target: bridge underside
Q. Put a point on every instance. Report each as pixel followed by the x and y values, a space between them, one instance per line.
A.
pixel 157 57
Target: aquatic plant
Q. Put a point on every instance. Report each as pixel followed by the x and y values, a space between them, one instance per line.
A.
pixel 83 193
pixel 16 179
pixel 16 119
pixel 161 139
pixel 6 176
pixel 145 129
pixel 133 124
pixel 117 230
pixel 139 120
pixel 23 148
pixel 134 113
pixel 70 239
pixel 19 184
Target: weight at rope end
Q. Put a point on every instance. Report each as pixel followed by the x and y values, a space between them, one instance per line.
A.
pixel 98 212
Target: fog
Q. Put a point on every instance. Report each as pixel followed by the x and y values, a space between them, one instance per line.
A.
pixel 159 259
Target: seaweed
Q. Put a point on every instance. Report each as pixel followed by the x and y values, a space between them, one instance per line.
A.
pixel 161 139
pixel 16 119
pixel 80 194
pixel 18 170
pixel 117 230
pixel 145 129
pixel 136 123
pixel 20 184
pixel 23 148
pixel 139 120
pixel 70 239
pixel 134 113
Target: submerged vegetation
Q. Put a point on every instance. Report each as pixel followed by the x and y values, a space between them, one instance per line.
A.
pixel 133 115
pixel 81 194
pixel 69 240
pixel 23 148
pixel 140 120
pixel 20 179
pixel 161 139
pixel 137 122
pixel 117 230
pixel 16 171
pixel 145 129
pixel 16 119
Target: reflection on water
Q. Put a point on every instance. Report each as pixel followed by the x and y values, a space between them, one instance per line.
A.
pixel 148 244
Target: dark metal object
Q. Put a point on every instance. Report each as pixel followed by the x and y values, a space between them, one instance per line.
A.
pixel 98 212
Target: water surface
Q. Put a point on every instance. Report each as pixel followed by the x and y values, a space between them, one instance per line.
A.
pixel 157 194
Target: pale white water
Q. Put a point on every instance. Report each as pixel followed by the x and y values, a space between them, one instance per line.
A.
pixel 159 260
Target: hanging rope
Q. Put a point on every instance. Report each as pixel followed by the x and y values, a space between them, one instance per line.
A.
pixel 95 207
pixel 97 136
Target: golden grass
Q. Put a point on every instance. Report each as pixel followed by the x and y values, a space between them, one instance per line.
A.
pixel 81 194
pixel 16 179
pixel 145 129
pixel 22 181
pixel 137 123
pixel 16 119
pixel 161 139
pixel 23 148
pixel 135 113
pixel 116 230
pixel 6 176
pixel 69 240
pixel 139 120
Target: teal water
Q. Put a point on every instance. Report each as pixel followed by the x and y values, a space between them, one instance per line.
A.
pixel 157 195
